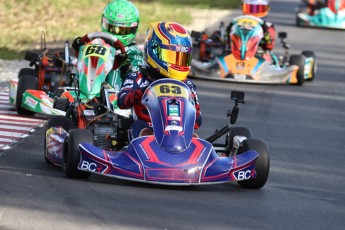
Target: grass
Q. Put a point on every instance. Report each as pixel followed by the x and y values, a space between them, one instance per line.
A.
pixel 64 19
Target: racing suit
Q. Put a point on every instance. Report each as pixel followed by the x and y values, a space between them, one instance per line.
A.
pixel 133 87
pixel 135 56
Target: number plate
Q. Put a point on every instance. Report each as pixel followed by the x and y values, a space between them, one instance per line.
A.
pixel 240 76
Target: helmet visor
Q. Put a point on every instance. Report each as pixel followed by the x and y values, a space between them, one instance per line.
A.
pixel 255 8
pixel 176 55
pixel 120 30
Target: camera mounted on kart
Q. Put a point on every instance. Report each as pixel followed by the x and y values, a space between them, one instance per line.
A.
pixel 282 35
pixel 238 97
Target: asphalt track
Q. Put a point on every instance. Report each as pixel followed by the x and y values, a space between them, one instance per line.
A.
pixel 304 127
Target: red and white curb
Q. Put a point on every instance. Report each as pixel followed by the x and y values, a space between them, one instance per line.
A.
pixel 14 127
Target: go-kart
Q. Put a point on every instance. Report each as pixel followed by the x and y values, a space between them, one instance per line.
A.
pixel 247 62
pixel 206 47
pixel 330 15
pixel 172 155
pixel 90 106
pixel 35 87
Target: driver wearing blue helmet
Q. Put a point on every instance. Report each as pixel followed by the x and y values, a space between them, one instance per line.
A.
pixel 167 53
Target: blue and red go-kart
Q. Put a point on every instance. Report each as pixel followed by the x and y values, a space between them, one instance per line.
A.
pixel 330 14
pixel 172 155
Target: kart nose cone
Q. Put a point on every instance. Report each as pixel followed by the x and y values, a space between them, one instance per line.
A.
pixel 173 143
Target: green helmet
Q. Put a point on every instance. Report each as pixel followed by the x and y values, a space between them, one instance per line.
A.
pixel 121 18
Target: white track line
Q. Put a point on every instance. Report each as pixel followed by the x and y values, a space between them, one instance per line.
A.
pixel 13 134
pixel 2 122
pixel 7 140
pixel 6 106
pixel 22 118
pixel 14 127
pixel 17 128
pixel 2 112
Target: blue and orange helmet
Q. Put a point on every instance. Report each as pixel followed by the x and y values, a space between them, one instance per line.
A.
pixel 168 49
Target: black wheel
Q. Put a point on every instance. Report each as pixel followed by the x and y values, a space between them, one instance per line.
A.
pixel 311 54
pixel 56 121
pixel 25 82
pixel 301 8
pixel 26 71
pixel 262 165
pixel 71 154
pixel 61 103
pixel 299 61
pixel 236 131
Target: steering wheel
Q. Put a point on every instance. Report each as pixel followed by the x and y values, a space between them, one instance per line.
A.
pixel 108 38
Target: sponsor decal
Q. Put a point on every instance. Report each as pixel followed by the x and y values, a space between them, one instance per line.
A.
pixel 173 110
pixel 120 15
pixel 173 128
pixel 184 49
pixel 144 84
pixel 128 81
pixel 89 112
pixel 93 167
pixel 127 87
pixel 240 76
pixel 240 65
pixel 30 102
pixel 244 174
pixel 174 118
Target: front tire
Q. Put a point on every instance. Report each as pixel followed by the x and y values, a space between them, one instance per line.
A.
pixel 26 71
pixel 71 154
pixel 311 54
pixel 262 165
pixel 299 61
pixel 24 83
pixel 236 131
pixel 57 121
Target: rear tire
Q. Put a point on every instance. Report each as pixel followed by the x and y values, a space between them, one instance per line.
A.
pixel 262 165
pixel 26 71
pixel 311 54
pixel 57 121
pixel 236 131
pixel 71 154
pixel 301 8
pixel 24 83
pixel 298 60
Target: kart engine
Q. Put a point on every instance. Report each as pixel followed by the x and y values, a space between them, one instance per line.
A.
pixel 107 132
pixel 109 129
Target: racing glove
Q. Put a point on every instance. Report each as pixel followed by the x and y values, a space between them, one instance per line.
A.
pixel 124 62
pixel 134 97
pixel 77 43
pixel 267 38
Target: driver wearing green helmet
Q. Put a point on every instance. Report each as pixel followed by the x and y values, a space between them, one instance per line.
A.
pixel 121 19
